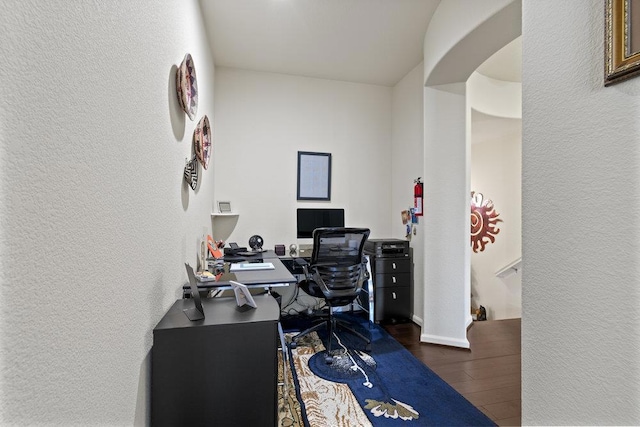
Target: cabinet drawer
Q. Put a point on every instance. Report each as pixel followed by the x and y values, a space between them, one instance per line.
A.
pixel 393 265
pixel 392 280
pixel 393 303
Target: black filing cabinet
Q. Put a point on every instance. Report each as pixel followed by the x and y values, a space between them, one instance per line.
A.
pixel 220 371
pixel 392 270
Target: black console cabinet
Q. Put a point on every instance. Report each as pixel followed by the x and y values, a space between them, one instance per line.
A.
pixel 392 270
pixel 220 371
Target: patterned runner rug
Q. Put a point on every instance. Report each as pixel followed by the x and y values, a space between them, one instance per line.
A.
pixel 386 387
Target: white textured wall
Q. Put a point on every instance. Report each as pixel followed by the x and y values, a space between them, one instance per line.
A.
pixel 406 165
pixel 581 224
pixel 446 221
pixel 96 219
pixel 462 34
pixel 496 173
pixel 496 168
pixel 264 119
pixel 455 44
pixel 495 97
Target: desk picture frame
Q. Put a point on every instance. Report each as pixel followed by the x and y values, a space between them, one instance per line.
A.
pixel 622 40
pixel 224 207
pixel 314 176
pixel 242 294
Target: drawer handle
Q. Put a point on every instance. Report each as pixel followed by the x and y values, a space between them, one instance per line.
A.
pixel 394 265
pixel 394 295
pixel 393 279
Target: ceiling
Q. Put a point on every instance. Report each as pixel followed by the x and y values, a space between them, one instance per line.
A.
pixel 505 64
pixel 487 128
pixel 365 41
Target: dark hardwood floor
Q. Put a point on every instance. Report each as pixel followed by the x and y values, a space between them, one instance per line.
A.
pixel 487 375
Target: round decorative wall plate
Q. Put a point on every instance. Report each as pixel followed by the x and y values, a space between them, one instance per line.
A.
pixel 187 86
pixel 202 141
pixel 191 173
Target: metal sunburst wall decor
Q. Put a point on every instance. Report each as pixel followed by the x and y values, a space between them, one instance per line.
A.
pixel 484 221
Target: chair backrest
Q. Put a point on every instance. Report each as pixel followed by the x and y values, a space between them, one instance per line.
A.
pixel 338 257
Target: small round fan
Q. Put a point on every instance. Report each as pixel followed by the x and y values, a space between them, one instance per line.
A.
pixel 256 242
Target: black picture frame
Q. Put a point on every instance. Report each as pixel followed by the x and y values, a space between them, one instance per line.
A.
pixel 196 312
pixel 314 176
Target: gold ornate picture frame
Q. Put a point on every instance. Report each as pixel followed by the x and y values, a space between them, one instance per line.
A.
pixel 622 40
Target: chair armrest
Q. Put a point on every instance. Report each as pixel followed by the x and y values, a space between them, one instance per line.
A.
pixel 304 265
pixel 301 262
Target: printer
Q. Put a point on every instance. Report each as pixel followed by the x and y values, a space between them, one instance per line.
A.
pixel 387 248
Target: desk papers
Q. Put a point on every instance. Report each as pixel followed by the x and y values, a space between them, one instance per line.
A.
pixel 247 266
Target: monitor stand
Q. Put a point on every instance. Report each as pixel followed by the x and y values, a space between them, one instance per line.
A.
pixel 193 314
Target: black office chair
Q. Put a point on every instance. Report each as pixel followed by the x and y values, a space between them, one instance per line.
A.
pixel 336 272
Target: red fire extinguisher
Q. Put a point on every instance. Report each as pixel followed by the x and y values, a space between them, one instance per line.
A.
pixel 417 196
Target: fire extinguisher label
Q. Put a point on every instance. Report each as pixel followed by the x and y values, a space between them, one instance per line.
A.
pixel 418 206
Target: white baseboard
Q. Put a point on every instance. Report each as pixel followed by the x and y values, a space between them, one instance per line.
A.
pixel 469 322
pixel 417 320
pixel 452 342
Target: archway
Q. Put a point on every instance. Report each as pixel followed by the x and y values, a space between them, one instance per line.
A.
pixel 462 35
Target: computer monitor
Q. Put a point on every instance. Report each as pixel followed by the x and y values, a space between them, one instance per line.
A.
pixel 311 218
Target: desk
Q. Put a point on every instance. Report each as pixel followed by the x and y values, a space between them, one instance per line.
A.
pixel 279 276
pixel 219 371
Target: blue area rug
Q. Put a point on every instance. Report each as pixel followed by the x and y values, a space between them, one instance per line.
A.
pixel 391 386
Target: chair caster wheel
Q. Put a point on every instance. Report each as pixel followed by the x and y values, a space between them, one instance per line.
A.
pixel 328 359
pixel 293 345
